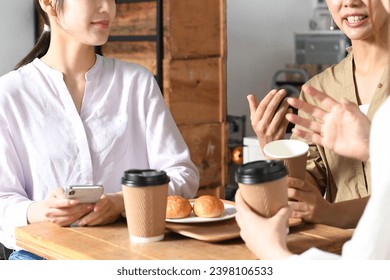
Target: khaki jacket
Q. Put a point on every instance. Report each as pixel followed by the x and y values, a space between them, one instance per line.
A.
pixel 341 178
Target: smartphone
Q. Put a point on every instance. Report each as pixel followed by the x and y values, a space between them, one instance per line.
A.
pixel 84 193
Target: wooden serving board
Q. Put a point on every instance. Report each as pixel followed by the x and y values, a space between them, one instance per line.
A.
pixel 211 232
pixel 214 231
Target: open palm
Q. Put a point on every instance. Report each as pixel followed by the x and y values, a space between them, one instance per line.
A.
pixel 337 126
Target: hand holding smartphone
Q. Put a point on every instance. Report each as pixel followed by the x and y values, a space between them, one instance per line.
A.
pixel 84 193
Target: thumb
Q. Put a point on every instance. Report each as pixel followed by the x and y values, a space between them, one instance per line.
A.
pixel 57 193
pixel 284 213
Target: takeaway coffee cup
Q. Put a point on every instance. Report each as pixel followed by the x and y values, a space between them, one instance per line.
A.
pixel 263 186
pixel 292 152
pixel 145 196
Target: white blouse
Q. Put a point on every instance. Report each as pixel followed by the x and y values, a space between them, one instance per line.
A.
pixel 371 239
pixel 45 143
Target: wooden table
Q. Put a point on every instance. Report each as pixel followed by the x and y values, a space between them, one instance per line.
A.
pixel 112 243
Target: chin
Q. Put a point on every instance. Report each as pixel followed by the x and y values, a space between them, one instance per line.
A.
pixel 359 37
pixel 97 42
pixel 100 43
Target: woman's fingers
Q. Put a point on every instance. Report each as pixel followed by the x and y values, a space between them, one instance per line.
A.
pixel 272 103
pixel 308 136
pixel 253 103
pixel 325 100
pixel 306 123
pixel 266 108
pixel 310 109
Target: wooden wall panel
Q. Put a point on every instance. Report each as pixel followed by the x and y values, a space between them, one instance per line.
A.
pixel 135 19
pixel 143 53
pixel 208 148
pixel 195 90
pixel 194 28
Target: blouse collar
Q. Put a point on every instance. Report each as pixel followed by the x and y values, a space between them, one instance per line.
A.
pixel 37 62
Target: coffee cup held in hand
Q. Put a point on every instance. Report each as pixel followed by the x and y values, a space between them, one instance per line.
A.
pixel 145 197
pixel 263 186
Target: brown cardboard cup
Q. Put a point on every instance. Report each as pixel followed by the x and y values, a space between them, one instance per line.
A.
pixel 292 152
pixel 145 198
pixel 263 186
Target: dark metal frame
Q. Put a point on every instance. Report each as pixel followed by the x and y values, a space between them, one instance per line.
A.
pixel 158 38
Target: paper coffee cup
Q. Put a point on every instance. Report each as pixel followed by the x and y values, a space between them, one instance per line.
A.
pixel 263 186
pixel 292 152
pixel 145 197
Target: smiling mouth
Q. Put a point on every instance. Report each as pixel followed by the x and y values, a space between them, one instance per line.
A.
pixel 355 19
pixel 102 24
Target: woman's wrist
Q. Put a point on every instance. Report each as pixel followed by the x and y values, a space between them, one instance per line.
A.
pixel 35 213
pixel 120 203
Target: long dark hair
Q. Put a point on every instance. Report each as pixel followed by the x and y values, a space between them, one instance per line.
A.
pixel 43 43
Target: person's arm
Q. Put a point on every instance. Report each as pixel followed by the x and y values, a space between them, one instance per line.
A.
pixel 346 214
pixel 308 203
pixel 17 205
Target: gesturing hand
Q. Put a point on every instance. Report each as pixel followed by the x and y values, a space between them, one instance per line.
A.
pixel 268 116
pixel 337 126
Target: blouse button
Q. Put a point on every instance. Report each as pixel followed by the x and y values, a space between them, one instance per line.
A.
pixel 380 85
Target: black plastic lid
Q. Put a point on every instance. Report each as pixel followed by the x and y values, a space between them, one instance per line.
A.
pixel 144 177
pixel 260 172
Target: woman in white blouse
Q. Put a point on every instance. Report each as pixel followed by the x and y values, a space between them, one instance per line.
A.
pixel 68 116
pixel 346 130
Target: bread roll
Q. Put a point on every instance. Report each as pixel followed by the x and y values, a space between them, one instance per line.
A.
pixel 208 206
pixel 178 207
